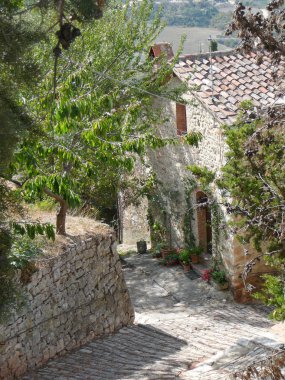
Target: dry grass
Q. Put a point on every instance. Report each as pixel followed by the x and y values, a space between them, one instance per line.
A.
pixel 77 228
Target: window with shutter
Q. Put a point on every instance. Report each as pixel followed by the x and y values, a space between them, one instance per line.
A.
pixel 181 121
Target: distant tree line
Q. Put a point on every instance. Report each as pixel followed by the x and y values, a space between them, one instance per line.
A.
pixel 189 13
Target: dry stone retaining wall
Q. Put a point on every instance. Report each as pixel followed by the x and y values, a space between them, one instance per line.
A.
pixel 72 299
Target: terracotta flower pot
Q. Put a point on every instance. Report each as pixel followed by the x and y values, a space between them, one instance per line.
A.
pixel 195 259
pixel 165 252
pixel 223 286
pixel 186 267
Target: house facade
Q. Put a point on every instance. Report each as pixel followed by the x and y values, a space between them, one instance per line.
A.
pixel 179 210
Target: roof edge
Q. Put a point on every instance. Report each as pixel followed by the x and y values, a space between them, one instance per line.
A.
pixel 207 55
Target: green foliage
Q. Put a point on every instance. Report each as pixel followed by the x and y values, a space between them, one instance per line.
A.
pixel 219 276
pixel 258 189
pixel 193 138
pixel 221 20
pixel 189 237
pixel 9 293
pixel 158 233
pixel 156 250
pixel 273 294
pixel 230 42
pixel 46 204
pixel 102 115
pixel 254 178
pixel 170 260
pixel 195 250
pixel 213 45
pixel 33 229
pixel 190 13
pixel 203 175
pixel 184 256
pixel 23 250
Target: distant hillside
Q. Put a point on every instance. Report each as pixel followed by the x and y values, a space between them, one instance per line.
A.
pixel 203 13
pixel 196 38
pixel 189 13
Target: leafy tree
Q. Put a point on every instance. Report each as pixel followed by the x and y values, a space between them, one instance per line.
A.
pixel 97 113
pixel 24 24
pixel 257 154
pixel 261 146
pixel 213 45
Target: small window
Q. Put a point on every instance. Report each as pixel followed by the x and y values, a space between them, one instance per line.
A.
pixel 181 121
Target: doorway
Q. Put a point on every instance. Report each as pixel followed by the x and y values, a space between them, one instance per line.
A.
pixel 204 222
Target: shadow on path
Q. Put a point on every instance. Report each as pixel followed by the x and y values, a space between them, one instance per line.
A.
pixel 137 350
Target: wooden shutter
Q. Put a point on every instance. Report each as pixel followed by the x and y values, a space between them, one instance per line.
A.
pixel 181 122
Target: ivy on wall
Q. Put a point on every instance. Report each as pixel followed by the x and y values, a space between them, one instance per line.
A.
pixel 189 237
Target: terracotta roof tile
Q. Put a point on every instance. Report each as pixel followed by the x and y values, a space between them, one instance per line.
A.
pixel 236 77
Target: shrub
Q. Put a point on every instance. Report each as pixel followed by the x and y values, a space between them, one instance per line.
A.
pixel 170 260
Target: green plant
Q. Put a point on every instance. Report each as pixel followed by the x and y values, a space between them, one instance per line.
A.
pixel 203 174
pixel 196 250
pixel 213 45
pixel 170 260
pixel 23 251
pixel 190 185
pixel 273 294
pixel 184 256
pixel 95 128
pixel 156 250
pixel 219 276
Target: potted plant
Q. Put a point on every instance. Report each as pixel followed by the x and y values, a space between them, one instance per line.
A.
pixel 195 253
pixel 219 279
pixel 165 250
pixel 156 250
pixel 184 257
pixel 170 260
pixel 206 275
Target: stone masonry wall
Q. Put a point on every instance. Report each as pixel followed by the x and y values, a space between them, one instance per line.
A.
pixel 169 164
pixel 73 298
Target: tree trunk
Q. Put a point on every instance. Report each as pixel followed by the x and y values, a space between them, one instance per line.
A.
pixel 60 218
pixel 61 215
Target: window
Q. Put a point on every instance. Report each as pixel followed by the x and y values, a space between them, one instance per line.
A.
pixel 181 121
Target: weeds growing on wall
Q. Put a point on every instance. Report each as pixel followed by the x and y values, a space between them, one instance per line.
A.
pixel 16 253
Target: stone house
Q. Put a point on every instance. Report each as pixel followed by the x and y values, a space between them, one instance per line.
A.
pixel 218 82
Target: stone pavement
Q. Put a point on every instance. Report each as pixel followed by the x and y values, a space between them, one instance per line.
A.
pixel 184 329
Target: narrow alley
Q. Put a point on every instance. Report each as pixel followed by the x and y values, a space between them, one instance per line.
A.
pixel 184 329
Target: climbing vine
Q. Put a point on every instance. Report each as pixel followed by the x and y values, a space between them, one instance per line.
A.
pixel 189 237
pixel 204 178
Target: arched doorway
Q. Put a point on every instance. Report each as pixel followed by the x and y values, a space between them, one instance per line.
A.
pixel 204 222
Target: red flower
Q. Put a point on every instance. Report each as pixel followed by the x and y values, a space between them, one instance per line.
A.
pixel 206 275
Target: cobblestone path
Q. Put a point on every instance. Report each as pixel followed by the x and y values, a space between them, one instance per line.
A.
pixel 184 330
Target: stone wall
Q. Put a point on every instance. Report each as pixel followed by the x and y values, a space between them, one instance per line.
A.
pixel 171 206
pixel 74 297
pixel 169 165
pixel 211 150
pixel 133 211
pixel 135 224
